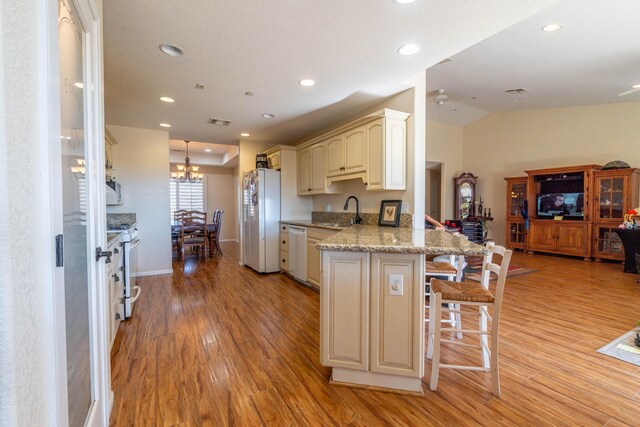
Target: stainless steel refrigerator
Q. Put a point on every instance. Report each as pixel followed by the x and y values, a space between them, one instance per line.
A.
pixel 260 220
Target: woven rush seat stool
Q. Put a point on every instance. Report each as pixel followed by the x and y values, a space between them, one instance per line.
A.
pixel 477 295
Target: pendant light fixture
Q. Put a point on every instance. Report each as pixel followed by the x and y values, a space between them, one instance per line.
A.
pixel 187 172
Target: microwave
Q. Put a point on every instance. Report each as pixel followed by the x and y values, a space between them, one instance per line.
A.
pixel 114 193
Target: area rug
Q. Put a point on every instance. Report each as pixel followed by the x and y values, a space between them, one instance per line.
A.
pixel 514 270
pixel 623 348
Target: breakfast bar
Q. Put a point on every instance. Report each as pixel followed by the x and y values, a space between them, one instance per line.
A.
pixel 372 302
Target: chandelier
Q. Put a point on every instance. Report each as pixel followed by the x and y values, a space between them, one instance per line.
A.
pixel 187 172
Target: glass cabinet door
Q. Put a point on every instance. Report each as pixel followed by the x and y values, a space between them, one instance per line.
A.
pixel 608 244
pixel 518 194
pixel 517 235
pixel 611 197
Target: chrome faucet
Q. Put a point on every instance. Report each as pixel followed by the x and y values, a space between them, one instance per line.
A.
pixel 357 219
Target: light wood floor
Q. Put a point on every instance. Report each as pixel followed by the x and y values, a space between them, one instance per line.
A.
pixel 218 344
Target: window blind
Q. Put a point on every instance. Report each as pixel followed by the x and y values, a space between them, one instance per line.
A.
pixel 186 195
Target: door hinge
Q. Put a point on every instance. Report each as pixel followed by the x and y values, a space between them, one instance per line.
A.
pixel 59 250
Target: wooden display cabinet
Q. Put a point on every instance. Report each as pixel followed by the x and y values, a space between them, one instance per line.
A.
pixel 516 230
pixel 616 191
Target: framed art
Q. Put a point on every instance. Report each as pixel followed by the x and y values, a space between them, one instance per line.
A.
pixel 390 213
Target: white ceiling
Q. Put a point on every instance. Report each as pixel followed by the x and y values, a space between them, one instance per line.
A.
pixel 222 155
pixel 590 60
pixel 348 46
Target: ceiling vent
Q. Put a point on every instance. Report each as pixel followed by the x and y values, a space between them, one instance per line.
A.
pixel 219 122
pixel 517 91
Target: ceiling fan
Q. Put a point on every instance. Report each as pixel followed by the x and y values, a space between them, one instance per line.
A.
pixel 439 97
pixel 634 88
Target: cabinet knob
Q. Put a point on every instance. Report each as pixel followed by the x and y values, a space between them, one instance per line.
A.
pixel 308 189
pixel 117 316
pixel 121 268
pixel 284 241
pixel 366 183
pixel 116 251
pixel 283 260
pixel 115 277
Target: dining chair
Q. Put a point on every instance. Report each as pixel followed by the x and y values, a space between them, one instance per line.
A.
pixel 213 233
pixel 477 295
pixel 193 232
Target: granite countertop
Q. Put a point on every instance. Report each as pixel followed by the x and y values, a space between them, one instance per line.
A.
pixel 308 223
pixel 367 238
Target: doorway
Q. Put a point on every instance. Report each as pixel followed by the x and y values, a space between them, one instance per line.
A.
pixel 434 190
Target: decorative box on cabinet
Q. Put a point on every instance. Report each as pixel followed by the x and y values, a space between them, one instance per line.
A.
pixel 516 230
pixel 616 191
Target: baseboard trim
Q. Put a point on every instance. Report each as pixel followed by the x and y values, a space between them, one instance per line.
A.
pixel 152 273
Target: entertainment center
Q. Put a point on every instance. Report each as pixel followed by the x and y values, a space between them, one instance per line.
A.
pixel 570 210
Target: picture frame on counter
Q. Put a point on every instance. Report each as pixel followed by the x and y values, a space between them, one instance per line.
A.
pixel 389 213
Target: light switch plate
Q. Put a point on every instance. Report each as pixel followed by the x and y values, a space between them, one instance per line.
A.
pixel 396 285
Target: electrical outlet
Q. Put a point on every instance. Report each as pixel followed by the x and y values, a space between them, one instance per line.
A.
pixel 396 285
pixel 404 208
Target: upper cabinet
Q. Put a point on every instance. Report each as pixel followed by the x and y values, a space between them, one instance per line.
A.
pixel 109 142
pixel 372 149
pixel 311 171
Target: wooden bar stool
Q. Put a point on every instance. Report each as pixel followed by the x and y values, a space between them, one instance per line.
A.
pixel 477 295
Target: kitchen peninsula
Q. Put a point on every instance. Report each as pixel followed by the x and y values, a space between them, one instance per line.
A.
pixel 372 302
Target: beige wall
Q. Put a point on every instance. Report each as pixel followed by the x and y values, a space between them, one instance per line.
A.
pixel 141 160
pixel 444 145
pixel 507 144
pixel 370 200
pixel 221 183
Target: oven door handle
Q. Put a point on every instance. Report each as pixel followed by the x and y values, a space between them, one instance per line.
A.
pixel 134 243
pixel 138 291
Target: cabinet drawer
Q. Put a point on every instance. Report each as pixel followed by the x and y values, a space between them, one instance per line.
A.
pixel 284 261
pixel 284 241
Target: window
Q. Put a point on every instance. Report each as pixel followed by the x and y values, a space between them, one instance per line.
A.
pixel 186 195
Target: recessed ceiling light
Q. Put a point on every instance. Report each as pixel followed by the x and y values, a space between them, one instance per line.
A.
pixel 636 86
pixel 268 116
pixel 409 49
pixel 170 50
pixel 245 134
pixel 208 150
pixel 166 99
pixel 165 125
pixel 306 82
pixel 79 85
pixel 404 1
pixel 551 27
pixel 248 93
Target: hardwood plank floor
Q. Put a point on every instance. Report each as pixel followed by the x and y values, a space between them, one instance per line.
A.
pixel 218 344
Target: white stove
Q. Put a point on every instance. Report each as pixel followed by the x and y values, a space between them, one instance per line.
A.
pixel 130 241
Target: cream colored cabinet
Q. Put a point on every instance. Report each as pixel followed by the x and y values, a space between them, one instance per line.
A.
pixel 311 171
pixel 344 307
pixel 274 160
pixel 347 153
pixel 387 153
pixel 284 247
pixel 372 333
pixel 314 256
pixel 115 289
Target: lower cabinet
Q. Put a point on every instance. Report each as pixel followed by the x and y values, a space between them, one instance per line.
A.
pixel 115 290
pixel 516 234
pixel 314 256
pixel 607 243
pixel 570 238
pixel 368 325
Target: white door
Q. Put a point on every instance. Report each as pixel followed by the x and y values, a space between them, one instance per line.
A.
pixel 81 334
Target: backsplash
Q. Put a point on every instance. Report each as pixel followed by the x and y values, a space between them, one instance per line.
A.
pixel 116 219
pixel 406 220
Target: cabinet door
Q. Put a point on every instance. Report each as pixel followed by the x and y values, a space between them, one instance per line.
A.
pixel 395 157
pixel 542 235
pixel 313 263
pixel 355 151
pixel 344 310
pixel 573 238
pixel 516 234
pixel 610 198
pixel 517 194
pixel 304 171
pixel 335 156
pixel 318 179
pixel 375 162
pixel 607 243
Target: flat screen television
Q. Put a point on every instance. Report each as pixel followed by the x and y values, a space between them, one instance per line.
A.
pixel 567 205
